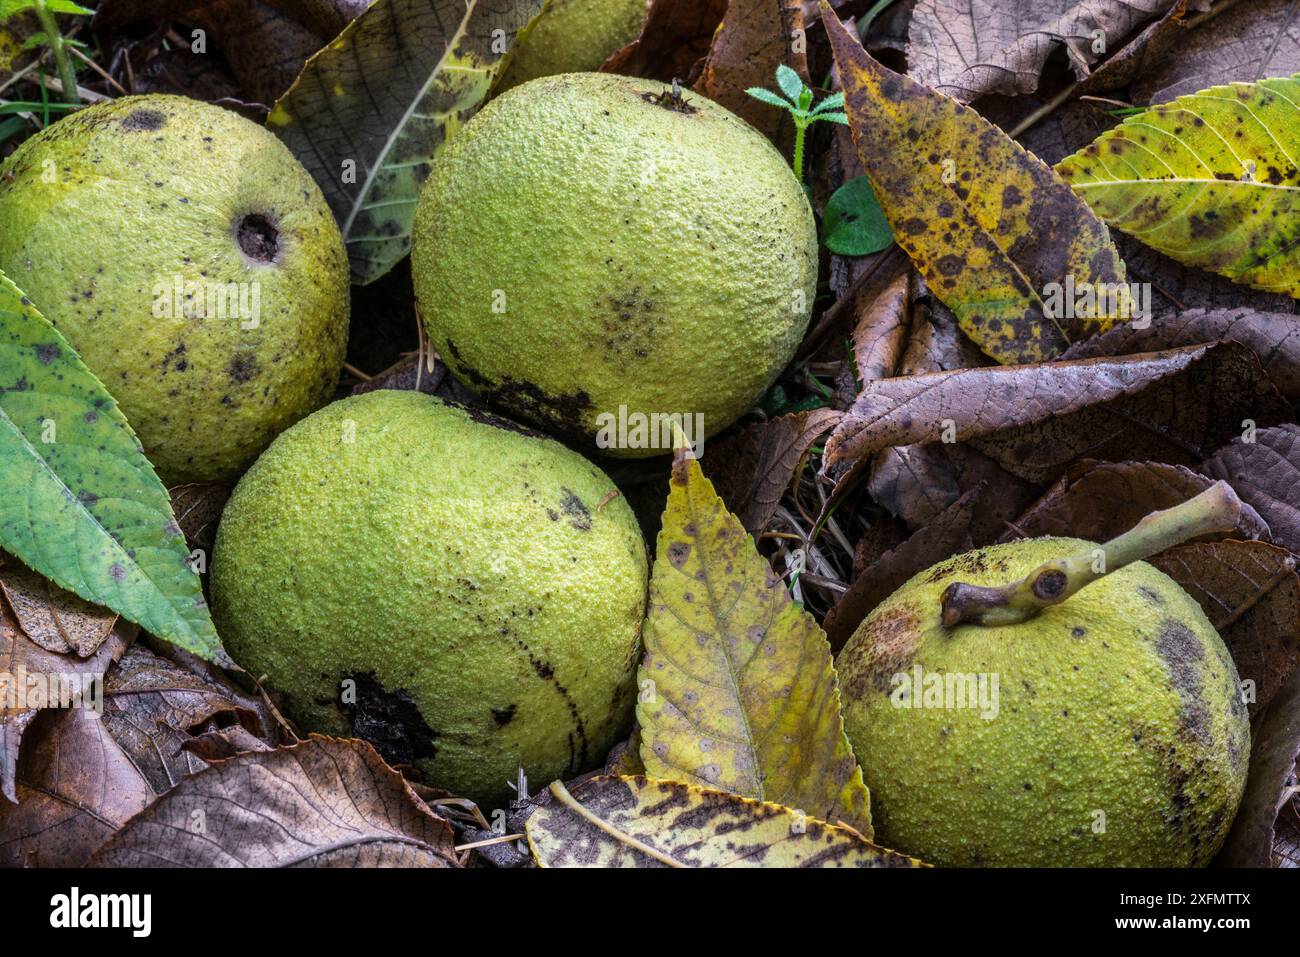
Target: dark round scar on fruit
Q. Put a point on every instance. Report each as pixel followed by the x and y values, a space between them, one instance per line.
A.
pixel 146 120
pixel 258 238
pixel 1050 584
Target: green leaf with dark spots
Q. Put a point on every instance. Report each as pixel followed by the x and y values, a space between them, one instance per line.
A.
pixel 1211 180
pixel 79 502
pixel 853 223
pixel 368 112
pixel 995 232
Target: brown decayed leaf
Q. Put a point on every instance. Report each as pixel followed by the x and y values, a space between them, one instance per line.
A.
pixel 150 705
pixel 1266 473
pixel 213 746
pixel 738 689
pixel 75 788
pixel 752 469
pixel 323 802
pixel 1273 755
pixel 1144 50
pixel 57 620
pixel 1273 336
pixel 638 822
pixel 755 37
pixel 1249 590
pixel 1101 500
pixel 1247 42
pixel 948 534
pixel 918 482
pixel 676 38
pixel 971 48
pixel 988 224
pixel 22 660
pixel 326 17
pixel 1034 420
pixel 881 329
pixel 934 342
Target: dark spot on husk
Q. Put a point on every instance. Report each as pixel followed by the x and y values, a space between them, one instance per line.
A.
pixel 885 646
pixel 242 368
pixel 144 120
pixel 391 721
pixel 579 516
pixel 258 238
pixel 1184 659
pixel 503 716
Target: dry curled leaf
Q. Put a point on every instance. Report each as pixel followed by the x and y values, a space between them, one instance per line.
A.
pixel 881 329
pixel 1101 500
pixel 1246 42
pixel 989 225
pixel 637 822
pixel 1265 472
pixel 754 38
pixel 1273 336
pixel 1273 756
pixel 971 48
pixel 676 38
pixel 752 469
pixel 75 788
pixel 738 689
pixel 30 675
pixel 1034 420
pixel 1250 592
pixel 150 706
pixel 323 802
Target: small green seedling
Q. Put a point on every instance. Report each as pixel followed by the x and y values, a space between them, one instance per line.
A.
pixel 798 102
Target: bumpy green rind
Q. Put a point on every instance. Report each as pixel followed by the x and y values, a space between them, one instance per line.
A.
pixel 106 208
pixel 572 36
pixel 1122 701
pixel 581 246
pixel 465 575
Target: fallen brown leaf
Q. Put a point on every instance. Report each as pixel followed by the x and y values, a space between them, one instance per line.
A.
pixel 752 469
pixel 755 37
pixel 1034 420
pixel 676 38
pixel 882 327
pixel 1273 758
pixel 23 661
pixel 1274 337
pixel 324 802
pixel 1101 500
pixel 1266 473
pixel 75 788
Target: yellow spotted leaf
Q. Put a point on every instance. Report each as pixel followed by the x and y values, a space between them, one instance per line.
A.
pixel 369 111
pixel 1211 179
pixel 634 821
pixel 1000 239
pixel 738 691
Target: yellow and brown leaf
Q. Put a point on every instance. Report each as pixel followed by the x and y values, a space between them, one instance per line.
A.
pixel 636 822
pixel 738 691
pixel 988 224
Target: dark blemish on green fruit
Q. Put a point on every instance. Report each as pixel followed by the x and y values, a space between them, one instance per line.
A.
pixel 503 716
pixel 579 516
pixel 144 120
pixel 258 238
pixel 1151 596
pixel 497 422
pixel 242 368
pixel 391 721
pixel 885 649
pixel 1184 659
pixel 545 671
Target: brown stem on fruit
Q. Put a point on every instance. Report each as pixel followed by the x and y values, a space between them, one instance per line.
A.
pixel 1217 509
